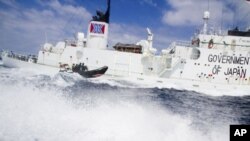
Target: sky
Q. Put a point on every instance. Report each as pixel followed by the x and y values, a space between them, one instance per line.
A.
pixel 25 25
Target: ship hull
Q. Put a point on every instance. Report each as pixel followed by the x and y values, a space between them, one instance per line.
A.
pixel 144 81
pixel 15 63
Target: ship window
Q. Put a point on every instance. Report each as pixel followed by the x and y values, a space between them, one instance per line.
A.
pixel 195 54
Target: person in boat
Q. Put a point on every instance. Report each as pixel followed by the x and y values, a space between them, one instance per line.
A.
pixel 75 67
pixel 79 67
pixel 83 67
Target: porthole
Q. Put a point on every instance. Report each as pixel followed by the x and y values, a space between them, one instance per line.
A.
pixel 195 54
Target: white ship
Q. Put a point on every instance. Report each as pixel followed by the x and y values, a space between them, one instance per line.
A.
pixel 209 61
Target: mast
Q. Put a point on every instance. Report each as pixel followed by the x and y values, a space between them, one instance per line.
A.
pixel 205 18
pixel 107 14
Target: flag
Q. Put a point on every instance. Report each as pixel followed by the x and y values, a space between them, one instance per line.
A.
pixel 97 28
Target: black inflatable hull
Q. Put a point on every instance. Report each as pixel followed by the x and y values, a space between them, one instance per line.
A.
pixel 93 73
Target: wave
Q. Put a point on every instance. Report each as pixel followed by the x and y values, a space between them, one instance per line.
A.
pixel 67 107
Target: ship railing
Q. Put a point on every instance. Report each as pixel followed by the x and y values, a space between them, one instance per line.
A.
pixel 183 43
pixel 22 57
pixel 172 45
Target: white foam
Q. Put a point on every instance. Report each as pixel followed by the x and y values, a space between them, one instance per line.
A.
pixel 28 113
pixel 133 82
pixel 65 79
pixel 202 88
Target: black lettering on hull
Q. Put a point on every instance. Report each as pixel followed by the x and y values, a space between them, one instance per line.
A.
pixel 224 59
pixel 236 72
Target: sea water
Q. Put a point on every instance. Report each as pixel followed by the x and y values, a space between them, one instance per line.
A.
pixel 63 107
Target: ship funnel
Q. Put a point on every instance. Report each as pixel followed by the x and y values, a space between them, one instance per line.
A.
pixel 97 35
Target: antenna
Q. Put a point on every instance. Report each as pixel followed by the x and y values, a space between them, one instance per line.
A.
pixel 206 17
pixel 45 34
pixel 150 38
pixel 221 22
pixel 208 3
pixel 149 31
